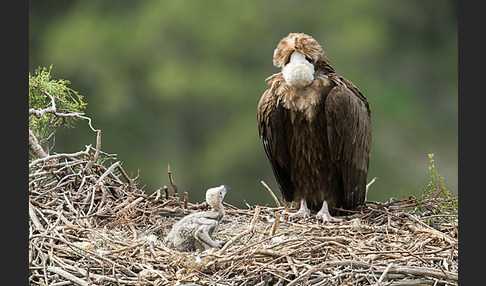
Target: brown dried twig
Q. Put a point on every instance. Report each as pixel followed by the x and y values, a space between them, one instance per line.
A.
pixel 271 193
pixel 171 181
pixel 94 228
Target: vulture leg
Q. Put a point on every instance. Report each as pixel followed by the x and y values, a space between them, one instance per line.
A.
pixel 325 215
pixel 302 212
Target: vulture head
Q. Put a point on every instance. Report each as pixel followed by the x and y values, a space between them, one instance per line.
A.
pixel 298 55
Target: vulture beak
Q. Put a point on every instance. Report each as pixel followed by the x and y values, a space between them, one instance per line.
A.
pixel 298 72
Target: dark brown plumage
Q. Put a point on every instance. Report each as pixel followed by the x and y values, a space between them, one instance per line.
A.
pixel 316 129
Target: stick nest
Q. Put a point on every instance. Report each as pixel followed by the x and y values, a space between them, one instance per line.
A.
pixel 91 225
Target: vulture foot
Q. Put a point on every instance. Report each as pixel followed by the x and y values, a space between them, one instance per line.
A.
pixel 325 215
pixel 303 212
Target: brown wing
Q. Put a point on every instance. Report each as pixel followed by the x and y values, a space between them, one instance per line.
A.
pixel 349 135
pixel 272 133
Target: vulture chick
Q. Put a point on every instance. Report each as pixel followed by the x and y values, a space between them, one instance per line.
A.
pixel 316 130
pixel 196 231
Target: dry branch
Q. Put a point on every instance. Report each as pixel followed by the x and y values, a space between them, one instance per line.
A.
pixel 35 147
pixel 68 276
pixel 171 181
pixel 97 152
pixel 271 193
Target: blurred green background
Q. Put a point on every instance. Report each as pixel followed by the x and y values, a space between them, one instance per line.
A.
pixel 178 82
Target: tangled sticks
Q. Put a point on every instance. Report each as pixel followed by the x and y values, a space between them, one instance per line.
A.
pixel 89 224
pixel 97 228
pixel 83 216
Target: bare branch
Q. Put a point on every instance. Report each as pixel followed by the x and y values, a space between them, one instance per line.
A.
pixel 171 181
pixel 58 156
pixel 68 276
pixel 52 109
pixel 271 193
pixel 35 147
pixel 97 152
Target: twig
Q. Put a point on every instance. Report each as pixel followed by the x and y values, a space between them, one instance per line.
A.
pixel 171 181
pixel 166 192
pixel 383 275
pixel 93 188
pixel 158 194
pixel 271 193
pixel 370 183
pixel 100 185
pixel 186 198
pixel 368 186
pixel 134 203
pixel 275 224
pixel 72 245
pixel 408 270
pixel 268 252
pixel 96 154
pixel 68 276
pixel 127 248
pixel 425 272
pixel 292 265
pixel 303 276
pixel 255 218
pixel 124 174
pixel 58 156
pixel 234 239
pixel 34 218
pixel 107 172
pixel 242 234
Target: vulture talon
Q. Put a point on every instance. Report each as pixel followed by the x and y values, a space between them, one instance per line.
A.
pixel 326 217
pixel 299 214
pixel 310 218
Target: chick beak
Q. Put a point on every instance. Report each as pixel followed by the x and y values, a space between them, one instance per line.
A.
pixel 224 189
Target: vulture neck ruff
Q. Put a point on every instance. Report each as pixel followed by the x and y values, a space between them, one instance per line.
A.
pixel 298 72
pixel 302 100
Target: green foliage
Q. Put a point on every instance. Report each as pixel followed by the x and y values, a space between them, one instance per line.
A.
pixel 178 82
pixel 436 187
pixel 436 200
pixel 43 91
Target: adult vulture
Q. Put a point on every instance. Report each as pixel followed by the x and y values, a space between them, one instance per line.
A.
pixel 316 130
